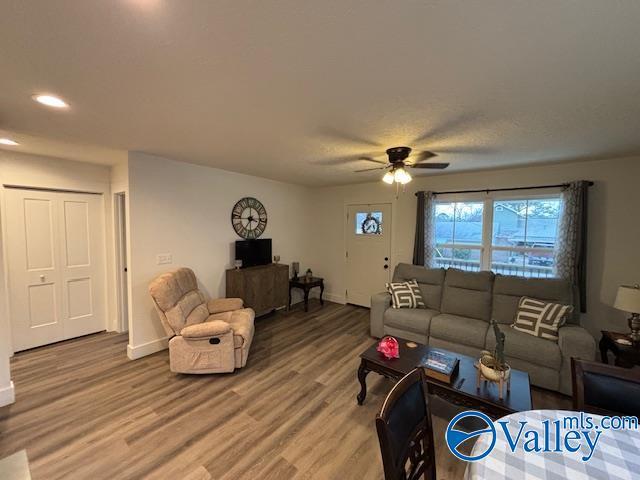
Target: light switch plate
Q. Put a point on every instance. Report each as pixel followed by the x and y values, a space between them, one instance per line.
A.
pixel 164 258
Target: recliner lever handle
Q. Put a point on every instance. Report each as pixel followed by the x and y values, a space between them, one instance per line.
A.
pixel 214 341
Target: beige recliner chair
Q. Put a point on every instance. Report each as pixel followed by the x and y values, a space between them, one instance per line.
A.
pixel 207 336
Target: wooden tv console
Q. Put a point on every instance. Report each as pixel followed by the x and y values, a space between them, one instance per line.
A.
pixel 264 288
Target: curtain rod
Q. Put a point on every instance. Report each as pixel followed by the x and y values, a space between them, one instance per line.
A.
pixel 487 190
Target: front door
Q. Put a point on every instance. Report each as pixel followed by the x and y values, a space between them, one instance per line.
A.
pixel 55 244
pixel 368 236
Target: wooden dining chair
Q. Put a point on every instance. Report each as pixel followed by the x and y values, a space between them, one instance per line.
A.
pixel 605 389
pixel 405 431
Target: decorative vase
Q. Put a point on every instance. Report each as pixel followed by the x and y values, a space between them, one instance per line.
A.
pixel 488 372
pixel 389 348
pixel 491 373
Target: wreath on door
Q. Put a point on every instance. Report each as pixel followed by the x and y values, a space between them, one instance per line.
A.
pixel 371 225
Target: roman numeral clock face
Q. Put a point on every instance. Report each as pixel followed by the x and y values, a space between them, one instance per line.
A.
pixel 249 218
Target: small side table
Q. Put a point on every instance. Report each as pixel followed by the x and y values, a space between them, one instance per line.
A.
pixel 626 355
pixel 305 284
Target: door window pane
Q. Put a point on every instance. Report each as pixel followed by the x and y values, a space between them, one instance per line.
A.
pixel 368 223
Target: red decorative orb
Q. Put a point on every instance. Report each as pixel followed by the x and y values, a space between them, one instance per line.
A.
pixel 389 347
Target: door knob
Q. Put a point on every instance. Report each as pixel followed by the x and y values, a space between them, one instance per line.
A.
pixel 42 278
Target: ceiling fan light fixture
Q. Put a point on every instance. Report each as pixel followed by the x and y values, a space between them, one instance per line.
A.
pixel 388 178
pixel 401 176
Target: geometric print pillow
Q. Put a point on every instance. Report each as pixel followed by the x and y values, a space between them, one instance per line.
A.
pixel 539 318
pixel 405 294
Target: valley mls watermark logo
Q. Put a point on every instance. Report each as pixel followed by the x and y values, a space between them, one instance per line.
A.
pixel 577 432
pixel 456 437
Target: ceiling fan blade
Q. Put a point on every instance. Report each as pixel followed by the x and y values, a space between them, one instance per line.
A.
pixel 370 169
pixel 370 159
pixel 424 155
pixel 436 166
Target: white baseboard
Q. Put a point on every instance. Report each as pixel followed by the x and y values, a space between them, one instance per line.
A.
pixel 138 351
pixel 334 297
pixel 7 395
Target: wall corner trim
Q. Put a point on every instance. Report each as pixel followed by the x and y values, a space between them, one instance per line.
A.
pixel 7 395
pixel 138 351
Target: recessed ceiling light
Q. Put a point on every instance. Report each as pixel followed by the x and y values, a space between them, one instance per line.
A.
pixel 50 101
pixel 8 141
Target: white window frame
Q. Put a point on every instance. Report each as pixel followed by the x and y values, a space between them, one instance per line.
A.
pixel 486 247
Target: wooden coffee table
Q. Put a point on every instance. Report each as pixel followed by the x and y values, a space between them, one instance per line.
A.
pixel 462 391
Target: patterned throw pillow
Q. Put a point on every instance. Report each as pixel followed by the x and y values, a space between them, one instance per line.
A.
pixel 539 318
pixel 405 295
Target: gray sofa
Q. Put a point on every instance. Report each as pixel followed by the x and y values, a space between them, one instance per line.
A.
pixel 460 306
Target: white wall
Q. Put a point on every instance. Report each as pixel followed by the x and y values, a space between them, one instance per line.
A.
pixel 185 210
pixel 614 224
pixel 44 172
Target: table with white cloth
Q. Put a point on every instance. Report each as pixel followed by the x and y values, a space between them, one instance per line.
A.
pixel 615 457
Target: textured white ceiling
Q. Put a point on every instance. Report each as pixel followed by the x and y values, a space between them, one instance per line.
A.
pixel 295 90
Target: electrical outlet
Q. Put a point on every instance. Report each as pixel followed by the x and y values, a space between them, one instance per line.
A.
pixel 164 258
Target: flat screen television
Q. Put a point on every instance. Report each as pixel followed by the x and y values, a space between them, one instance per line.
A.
pixel 254 252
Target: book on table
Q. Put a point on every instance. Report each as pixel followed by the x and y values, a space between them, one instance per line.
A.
pixel 440 365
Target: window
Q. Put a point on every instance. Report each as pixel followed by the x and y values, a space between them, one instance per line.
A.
pixel 521 240
pixel 459 234
pixel 368 223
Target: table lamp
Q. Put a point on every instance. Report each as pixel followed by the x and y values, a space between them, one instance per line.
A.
pixel 628 300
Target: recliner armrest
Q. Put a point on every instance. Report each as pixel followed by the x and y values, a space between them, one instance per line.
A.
pixel 379 303
pixel 220 305
pixel 574 341
pixel 206 329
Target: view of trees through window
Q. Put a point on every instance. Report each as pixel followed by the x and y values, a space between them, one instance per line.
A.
pixel 521 240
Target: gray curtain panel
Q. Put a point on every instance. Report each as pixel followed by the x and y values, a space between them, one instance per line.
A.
pixel 423 247
pixel 571 253
pixel 418 244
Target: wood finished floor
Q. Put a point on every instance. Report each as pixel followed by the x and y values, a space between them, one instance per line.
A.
pixel 84 411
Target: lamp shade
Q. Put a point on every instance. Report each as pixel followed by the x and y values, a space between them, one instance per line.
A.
pixel 628 298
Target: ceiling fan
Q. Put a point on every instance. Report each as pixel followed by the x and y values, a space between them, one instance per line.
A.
pixel 397 164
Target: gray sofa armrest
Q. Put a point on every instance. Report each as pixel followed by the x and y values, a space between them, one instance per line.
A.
pixel 379 304
pixel 576 342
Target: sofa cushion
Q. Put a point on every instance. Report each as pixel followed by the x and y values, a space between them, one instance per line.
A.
pixel 467 294
pixel 526 347
pixel 405 294
pixel 189 310
pixel 508 290
pixel 429 280
pixel 540 319
pixel 414 320
pixel 458 329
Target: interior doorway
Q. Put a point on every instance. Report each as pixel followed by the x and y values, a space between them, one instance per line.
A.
pixel 56 265
pixel 120 231
pixel 368 251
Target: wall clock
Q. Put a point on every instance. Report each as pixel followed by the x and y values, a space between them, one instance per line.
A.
pixel 249 218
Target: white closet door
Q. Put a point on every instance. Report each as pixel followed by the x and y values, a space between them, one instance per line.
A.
pixel 56 266
pixel 82 263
